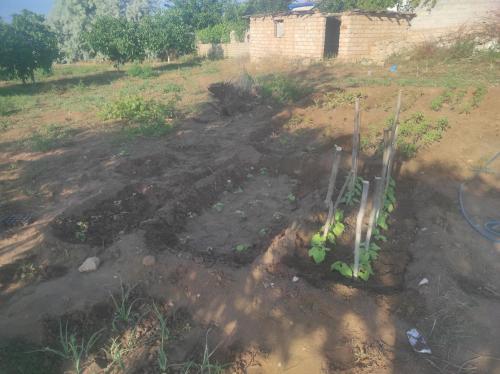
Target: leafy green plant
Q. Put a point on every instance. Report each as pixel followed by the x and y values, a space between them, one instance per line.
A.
pixel 242 248
pixel 124 305
pixel 418 131
pixel 71 349
pixel 115 353
pixel 452 97
pixel 141 71
pixel 281 88
pixel 142 117
pixel 332 100
pixel 220 33
pixel 352 197
pixel 81 232
pixel 318 248
pixel 164 336
pixel 172 88
pixel 49 137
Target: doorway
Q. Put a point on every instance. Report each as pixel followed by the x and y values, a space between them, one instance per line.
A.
pixel 332 37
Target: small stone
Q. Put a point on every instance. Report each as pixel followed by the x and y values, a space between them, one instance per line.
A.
pixel 90 264
pixel 295 279
pixel 148 261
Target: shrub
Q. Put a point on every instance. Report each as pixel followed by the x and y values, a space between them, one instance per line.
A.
pixel 281 88
pixel 141 116
pixel 49 137
pixel 141 71
pixel 220 33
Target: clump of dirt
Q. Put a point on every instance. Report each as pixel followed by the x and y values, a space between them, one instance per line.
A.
pixel 231 98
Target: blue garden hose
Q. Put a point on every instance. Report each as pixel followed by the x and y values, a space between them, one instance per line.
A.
pixel 491 229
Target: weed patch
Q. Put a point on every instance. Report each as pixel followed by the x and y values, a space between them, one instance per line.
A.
pixel 141 116
pixel 281 88
pixel 417 132
pixel 332 100
pixel 49 137
pixel 141 71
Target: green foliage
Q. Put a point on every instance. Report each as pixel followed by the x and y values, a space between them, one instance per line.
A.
pixel 123 304
pixel 71 349
pixel 166 34
pixel 281 88
pixel 417 132
pixel 353 196
pixel 242 248
pixel 332 100
pixel 173 88
pixel 164 336
pixel 451 97
pixel 319 243
pixel 49 137
pixel 318 248
pixel 342 268
pixel 117 39
pixel 141 116
pixel 342 5
pixel 265 6
pixel 220 33
pixel 27 44
pixel 141 71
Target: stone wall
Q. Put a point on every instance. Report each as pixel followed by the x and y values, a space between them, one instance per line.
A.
pixel 226 50
pixel 303 37
pixel 361 35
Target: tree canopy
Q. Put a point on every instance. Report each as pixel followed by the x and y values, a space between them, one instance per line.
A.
pixel 26 44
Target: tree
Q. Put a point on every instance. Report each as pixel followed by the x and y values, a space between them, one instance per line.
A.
pixel 266 6
pixel 342 5
pixel 199 14
pixel 26 44
pixel 115 38
pixel 165 34
pixel 73 18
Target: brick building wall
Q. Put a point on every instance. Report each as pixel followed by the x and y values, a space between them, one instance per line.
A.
pixel 361 35
pixel 303 36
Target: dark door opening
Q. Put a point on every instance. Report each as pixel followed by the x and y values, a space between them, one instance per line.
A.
pixel 332 37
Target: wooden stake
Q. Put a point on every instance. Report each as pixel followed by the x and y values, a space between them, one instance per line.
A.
pixel 355 146
pixel 394 139
pixel 385 161
pixel 337 155
pixel 359 227
pixel 377 198
pixel 331 212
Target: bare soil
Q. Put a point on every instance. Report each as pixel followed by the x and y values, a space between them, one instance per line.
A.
pixel 225 178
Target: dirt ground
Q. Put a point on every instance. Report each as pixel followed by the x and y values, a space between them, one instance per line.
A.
pixel 255 176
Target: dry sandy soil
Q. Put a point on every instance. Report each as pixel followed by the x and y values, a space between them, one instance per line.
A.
pixel 218 181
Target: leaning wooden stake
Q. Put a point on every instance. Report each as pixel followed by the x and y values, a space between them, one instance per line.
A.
pixel 385 162
pixel 337 155
pixel 333 207
pixel 377 201
pixel 359 227
pixel 393 144
pixel 355 147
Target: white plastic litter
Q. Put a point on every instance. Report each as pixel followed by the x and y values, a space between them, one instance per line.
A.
pixel 418 342
pixel 295 279
pixel 423 282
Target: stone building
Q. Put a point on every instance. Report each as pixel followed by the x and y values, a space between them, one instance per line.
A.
pixel 314 35
pixel 358 35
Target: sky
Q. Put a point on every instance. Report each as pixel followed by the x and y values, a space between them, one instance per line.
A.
pixel 8 7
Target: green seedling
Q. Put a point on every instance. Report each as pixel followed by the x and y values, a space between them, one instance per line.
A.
pixel 318 248
pixel 242 248
pixel 291 197
pixel 219 207
pixel 81 232
pixel 164 336
pixel 123 307
pixel 70 349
